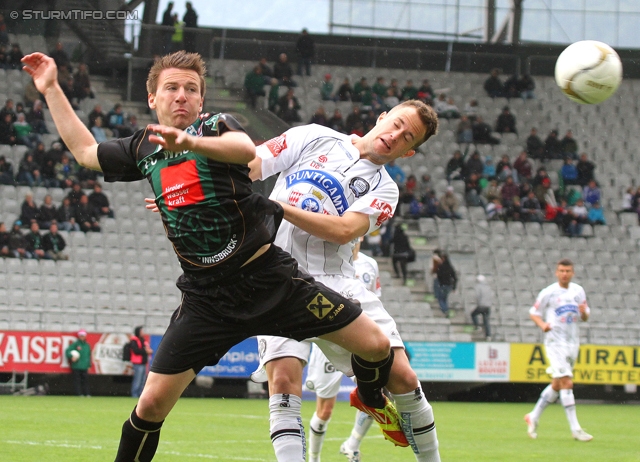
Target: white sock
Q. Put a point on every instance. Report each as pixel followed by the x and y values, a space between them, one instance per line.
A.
pixel 317 430
pixel 419 425
pixel 285 426
pixel 360 429
pixel 548 396
pixel 569 403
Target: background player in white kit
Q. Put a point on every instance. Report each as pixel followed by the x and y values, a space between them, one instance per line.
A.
pixel 325 380
pixel 557 311
pixel 342 180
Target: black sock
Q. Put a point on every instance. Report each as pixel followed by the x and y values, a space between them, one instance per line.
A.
pixel 139 440
pixel 372 377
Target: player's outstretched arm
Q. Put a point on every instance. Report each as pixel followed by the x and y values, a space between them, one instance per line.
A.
pixel 73 131
pixel 234 147
pixel 339 230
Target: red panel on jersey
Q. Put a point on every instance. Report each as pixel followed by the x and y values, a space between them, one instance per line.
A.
pixel 181 185
pixel 277 145
pixel 386 211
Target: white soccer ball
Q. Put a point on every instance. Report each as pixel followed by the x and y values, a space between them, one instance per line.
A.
pixel 75 355
pixel 588 72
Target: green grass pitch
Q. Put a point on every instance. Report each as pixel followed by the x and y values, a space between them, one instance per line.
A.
pixel 74 429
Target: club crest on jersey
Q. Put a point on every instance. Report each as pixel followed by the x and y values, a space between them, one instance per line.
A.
pixel 366 278
pixel 320 306
pixel 325 183
pixel 310 203
pixel 277 145
pixel 359 186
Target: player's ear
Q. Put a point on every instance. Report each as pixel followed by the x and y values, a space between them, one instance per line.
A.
pixel 151 100
pixel 381 116
pixel 410 153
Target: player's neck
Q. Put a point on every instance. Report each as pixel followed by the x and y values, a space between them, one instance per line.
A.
pixel 564 286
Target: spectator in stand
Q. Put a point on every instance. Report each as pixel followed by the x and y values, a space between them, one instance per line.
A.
pixel 336 122
pixel 402 252
pixel 39 154
pixel 440 104
pixel 75 194
pixel 267 72
pixel 4 36
pixel 627 201
pixel 539 179
pixel 591 194
pixel 493 85
pixel 495 210
pixel 525 189
pixel 66 216
pixel 54 244
pixel 52 157
pixel 569 146
pixel 305 47
pixel 409 91
pixel 17 242
pixel 425 92
pixel 450 111
pixel 506 122
pixel 513 211
pixel 552 146
pixel 3 56
pixel 569 172
pixel 20 110
pixel 579 214
pixel 509 191
pixel 132 123
pixel 526 87
pixel 60 56
pixel 473 191
pixel 471 109
pixel 473 165
pixel 444 282
pixel 492 190
pixel 29 171
pixel 397 92
pixel 94 114
pixel 6 172
pixel 7 131
pixel 585 170
pixel 177 38
pixel 390 100
pixel 504 168
pixel 274 95
pixel 34 241
pixel 395 172
pixel 80 363
pixel 98 132
pixel 140 352
pixel 254 85
pixel 353 118
pixel 86 216
pixel 24 132
pixel 361 90
pixel 47 212
pixel 5 250
pixel 595 216
pixel 167 22
pixel 115 121
pixel 31 93
pixel 455 167
pixel 379 88
pixel 484 301
pixel 511 87
pixel 489 170
pixel 8 108
pixel 530 208
pixel 289 107
pixel 345 92
pixel 100 202
pixel 283 72
pixel 65 172
pixel 464 131
pixel 65 80
pixel 523 167
pixel 82 83
pixel 14 60
pixel 482 132
pixel 29 210
pixel 326 90
pixel 448 205
pixel 36 118
pixel 190 20
pixel 319 117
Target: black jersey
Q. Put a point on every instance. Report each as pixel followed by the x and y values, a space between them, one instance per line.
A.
pixel 211 216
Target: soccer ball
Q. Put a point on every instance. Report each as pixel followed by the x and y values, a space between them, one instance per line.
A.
pixel 588 72
pixel 75 355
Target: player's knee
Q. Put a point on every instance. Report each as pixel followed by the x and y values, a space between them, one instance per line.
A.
pixel 380 347
pixel 403 381
pixel 151 407
pixel 283 382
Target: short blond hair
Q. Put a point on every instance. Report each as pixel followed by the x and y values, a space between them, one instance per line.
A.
pixel 178 60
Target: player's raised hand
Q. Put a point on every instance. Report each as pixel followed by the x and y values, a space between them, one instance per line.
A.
pixel 173 139
pixel 42 69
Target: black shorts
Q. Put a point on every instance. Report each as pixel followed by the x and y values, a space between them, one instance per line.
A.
pixel 269 296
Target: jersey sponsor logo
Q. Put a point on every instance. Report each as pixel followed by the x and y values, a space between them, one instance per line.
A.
pixel 564 309
pixel 316 165
pixel 181 185
pixel 323 181
pixel 322 159
pixel 320 306
pixel 277 145
pixel 359 186
pixel 329 368
pixel 228 250
pixel 386 211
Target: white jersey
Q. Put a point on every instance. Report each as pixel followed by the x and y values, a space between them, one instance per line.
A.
pixel 367 271
pixel 559 307
pixel 321 171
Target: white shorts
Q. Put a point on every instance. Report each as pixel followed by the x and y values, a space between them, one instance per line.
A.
pixel 322 377
pixel 561 358
pixel 271 348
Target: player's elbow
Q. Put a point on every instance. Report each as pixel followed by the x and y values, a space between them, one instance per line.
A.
pixel 344 235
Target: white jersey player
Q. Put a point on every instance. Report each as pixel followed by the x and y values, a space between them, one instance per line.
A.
pixel 335 189
pixel 557 311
